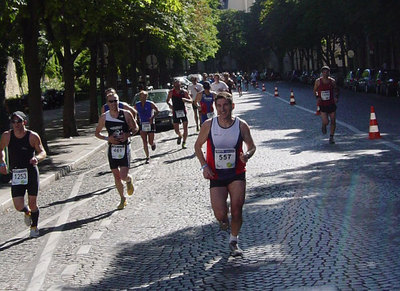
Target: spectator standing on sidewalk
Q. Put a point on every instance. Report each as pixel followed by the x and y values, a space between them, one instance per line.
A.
pixel 225 164
pixel 327 93
pixel 147 112
pixel 206 101
pixel 179 96
pixel 218 85
pixel 193 89
pixel 25 151
pixel 120 126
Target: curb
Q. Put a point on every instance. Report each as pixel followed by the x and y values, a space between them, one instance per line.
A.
pixel 58 173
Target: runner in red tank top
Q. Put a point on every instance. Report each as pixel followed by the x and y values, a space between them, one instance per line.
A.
pixel 327 97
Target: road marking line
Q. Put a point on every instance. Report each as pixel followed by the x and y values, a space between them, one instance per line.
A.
pixel 42 266
pixel 40 271
pixel 348 126
pixel 96 235
pixel 83 250
pixel 105 223
pixel 70 270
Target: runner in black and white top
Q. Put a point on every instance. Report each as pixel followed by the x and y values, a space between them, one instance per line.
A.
pixel 25 151
pixel 120 126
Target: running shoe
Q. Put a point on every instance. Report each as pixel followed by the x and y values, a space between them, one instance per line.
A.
pixel 147 160
pixel 178 141
pixel 324 129
pixel 235 250
pixel 122 204
pixel 331 140
pixel 28 219
pixel 223 225
pixel 153 147
pixel 34 232
pixel 184 145
pixel 129 185
pixel 197 128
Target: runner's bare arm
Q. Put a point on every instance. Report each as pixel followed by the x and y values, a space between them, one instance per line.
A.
pixel 248 140
pixel 131 109
pixel 36 142
pixel 5 139
pixel 198 98
pixel 187 98
pixel 133 126
pixel 316 85
pixel 169 98
pixel 202 139
pixel 156 111
pixel 100 127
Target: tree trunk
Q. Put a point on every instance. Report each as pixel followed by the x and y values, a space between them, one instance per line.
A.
pixel 124 82
pixel 102 66
pixel 30 27
pixel 94 112
pixel 133 61
pixel 4 123
pixel 69 122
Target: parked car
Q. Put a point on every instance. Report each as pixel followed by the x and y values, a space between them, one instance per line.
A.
pixel 52 98
pixel 158 96
pixel 348 80
pixel 367 82
pixel 185 82
pixel 314 75
pixel 304 77
pixel 387 82
pixel 356 78
pixel 294 76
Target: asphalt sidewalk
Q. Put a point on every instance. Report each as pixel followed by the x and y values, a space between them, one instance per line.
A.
pixel 66 153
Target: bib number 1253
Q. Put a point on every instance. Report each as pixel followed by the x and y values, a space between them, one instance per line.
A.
pixel 19 177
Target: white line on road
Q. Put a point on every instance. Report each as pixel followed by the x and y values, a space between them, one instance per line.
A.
pixel 83 250
pixel 96 235
pixel 348 126
pixel 41 268
pixel 40 271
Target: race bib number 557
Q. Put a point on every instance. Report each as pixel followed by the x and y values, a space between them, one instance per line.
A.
pixel 225 158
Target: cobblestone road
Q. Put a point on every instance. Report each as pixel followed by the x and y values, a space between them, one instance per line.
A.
pixel 316 216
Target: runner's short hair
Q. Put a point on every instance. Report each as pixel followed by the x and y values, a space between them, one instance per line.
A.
pixel 224 95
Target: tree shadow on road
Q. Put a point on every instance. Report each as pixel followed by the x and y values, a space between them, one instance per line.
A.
pixel 80 197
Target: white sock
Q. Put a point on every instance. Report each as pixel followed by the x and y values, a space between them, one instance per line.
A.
pixel 233 238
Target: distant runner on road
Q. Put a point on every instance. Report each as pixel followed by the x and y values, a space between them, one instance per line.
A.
pixel 327 94
pixel 25 151
pixel 120 125
pixel 225 164
pixel 206 101
pixel 147 112
pixel 179 96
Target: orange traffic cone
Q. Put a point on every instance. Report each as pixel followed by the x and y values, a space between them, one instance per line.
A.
pixel 318 112
pixel 373 126
pixel 276 92
pixel 263 87
pixel 292 100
